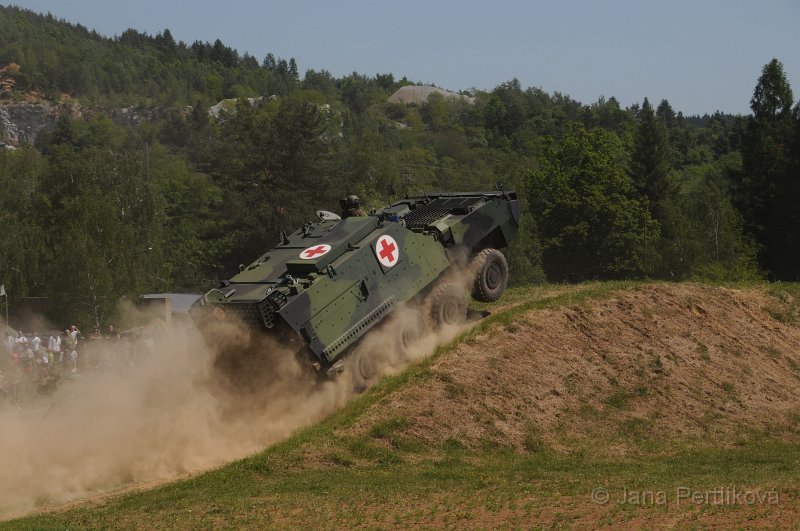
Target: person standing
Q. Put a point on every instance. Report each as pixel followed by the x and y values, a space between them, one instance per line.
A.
pixel 70 345
pixel 54 346
pixel 25 352
pixel 74 333
pixel 22 340
pixel 36 344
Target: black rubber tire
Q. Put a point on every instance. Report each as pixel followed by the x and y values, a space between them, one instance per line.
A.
pixel 490 274
pixel 448 305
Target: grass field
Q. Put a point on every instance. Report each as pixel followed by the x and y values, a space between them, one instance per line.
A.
pixel 457 488
pixel 327 476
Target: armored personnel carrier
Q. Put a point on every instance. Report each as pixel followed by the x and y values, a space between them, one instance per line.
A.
pixel 331 281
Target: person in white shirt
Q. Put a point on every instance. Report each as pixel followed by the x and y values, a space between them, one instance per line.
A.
pixel 36 343
pixel 74 333
pixel 22 339
pixel 54 346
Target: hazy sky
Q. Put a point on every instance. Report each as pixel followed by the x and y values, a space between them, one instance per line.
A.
pixel 702 55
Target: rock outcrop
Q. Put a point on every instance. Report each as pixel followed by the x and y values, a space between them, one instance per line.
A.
pixel 419 94
pixel 20 123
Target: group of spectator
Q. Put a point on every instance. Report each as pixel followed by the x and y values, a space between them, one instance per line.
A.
pixel 34 361
pixel 27 350
pixel 32 358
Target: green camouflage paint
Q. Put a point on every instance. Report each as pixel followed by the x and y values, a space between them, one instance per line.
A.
pixel 333 280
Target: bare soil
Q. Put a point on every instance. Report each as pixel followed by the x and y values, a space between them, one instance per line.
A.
pixel 663 362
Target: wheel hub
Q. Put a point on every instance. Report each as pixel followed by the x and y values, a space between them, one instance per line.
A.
pixel 493 276
pixel 450 312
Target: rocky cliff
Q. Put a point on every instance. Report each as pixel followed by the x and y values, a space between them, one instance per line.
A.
pixel 21 123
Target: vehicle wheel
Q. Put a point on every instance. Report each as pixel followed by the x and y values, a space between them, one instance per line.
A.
pixel 490 273
pixel 366 367
pixel 411 328
pixel 448 305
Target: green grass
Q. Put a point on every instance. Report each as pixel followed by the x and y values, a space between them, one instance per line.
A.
pixel 457 487
pixel 382 479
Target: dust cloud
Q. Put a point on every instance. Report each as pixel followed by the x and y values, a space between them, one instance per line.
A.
pixel 168 415
pixel 174 412
pixel 406 338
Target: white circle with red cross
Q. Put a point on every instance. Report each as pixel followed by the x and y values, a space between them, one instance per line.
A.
pixel 312 253
pixel 387 251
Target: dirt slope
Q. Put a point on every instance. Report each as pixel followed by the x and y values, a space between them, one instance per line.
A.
pixel 659 363
pixel 645 376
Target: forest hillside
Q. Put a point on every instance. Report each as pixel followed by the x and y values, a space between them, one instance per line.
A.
pixel 132 186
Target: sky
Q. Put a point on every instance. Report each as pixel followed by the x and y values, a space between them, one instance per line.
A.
pixel 701 55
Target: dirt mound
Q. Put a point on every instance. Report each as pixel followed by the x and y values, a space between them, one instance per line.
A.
pixel 659 363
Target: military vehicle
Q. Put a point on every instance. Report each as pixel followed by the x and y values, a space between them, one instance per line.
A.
pixel 334 279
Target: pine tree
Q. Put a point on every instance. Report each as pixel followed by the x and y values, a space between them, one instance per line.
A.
pixel 666 114
pixel 766 189
pixel 772 97
pixel 650 161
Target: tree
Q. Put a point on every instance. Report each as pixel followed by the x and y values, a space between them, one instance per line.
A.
pixel 322 81
pixel 666 114
pixel 608 115
pixel 725 252
pixel 772 97
pixel 356 92
pixel 525 253
pixel 23 241
pixel 766 190
pixel 386 82
pixel 707 239
pixel 195 239
pixel 650 161
pixel 166 43
pixel 590 221
pixel 436 112
pixel 109 231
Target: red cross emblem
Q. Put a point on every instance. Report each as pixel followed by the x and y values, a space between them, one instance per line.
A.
pixel 315 252
pixel 387 251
